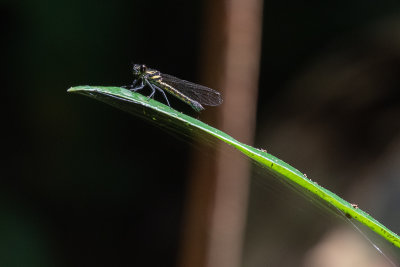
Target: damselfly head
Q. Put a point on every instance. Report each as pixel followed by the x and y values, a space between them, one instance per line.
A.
pixel 139 69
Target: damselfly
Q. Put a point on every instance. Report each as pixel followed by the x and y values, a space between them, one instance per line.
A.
pixel 192 94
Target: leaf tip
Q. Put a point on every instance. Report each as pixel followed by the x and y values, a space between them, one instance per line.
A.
pixel 80 88
pixel 73 89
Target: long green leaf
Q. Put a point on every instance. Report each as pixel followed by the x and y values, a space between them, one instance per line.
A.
pixel 149 108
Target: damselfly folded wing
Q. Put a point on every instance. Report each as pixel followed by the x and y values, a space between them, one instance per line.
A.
pixel 199 93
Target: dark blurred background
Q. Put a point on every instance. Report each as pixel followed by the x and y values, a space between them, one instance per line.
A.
pixel 81 184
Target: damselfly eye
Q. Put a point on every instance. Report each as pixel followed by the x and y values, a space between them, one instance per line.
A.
pixel 143 68
pixel 136 68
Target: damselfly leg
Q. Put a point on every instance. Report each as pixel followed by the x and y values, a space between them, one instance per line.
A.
pixel 134 83
pixel 153 88
pixel 133 86
pixel 137 88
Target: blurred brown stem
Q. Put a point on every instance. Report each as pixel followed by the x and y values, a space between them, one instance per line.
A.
pixel 217 199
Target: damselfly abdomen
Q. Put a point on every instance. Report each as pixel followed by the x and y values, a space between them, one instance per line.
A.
pixel 193 94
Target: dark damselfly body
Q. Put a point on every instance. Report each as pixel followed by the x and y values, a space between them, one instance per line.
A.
pixel 192 94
